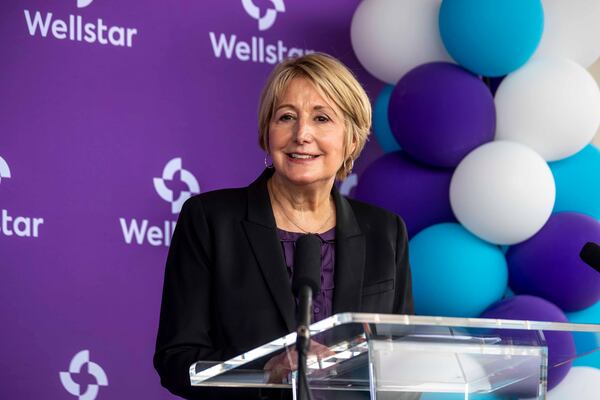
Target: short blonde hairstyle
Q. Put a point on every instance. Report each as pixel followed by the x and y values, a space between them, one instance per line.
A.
pixel 337 83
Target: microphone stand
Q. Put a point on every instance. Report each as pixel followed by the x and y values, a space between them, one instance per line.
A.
pixel 303 341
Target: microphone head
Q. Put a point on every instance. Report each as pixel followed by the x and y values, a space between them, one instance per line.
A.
pixel 307 264
pixel 590 254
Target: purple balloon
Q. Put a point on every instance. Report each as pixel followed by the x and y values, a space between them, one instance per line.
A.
pixel 416 192
pixel 548 264
pixel 561 345
pixel 493 83
pixel 439 112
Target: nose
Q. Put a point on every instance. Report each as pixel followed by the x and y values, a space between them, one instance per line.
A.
pixel 304 131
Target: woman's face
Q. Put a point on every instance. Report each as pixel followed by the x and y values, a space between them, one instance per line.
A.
pixel 306 135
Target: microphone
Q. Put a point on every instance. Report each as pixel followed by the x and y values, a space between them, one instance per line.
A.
pixel 307 267
pixel 590 254
pixel 306 281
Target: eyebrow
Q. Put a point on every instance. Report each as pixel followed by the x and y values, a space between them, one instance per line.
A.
pixel 317 108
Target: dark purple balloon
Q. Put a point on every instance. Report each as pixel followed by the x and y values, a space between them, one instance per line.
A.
pixel 561 345
pixel 416 192
pixel 439 112
pixel 493 83
pixel 548 264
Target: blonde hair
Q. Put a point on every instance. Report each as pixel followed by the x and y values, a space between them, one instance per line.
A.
pixel 337 83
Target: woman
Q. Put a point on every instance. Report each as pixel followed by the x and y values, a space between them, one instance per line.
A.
pixel 227 280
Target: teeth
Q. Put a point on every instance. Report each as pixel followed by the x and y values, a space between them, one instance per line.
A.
pixel 302 156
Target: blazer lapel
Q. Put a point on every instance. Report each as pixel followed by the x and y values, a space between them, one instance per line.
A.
pixel 262 234
pixel 349 258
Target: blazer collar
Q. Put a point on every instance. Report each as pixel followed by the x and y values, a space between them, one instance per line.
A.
pixel 261 230
pixel 259 203
pixel 350 256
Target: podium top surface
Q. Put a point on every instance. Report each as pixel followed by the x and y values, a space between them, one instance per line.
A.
pixel 350 342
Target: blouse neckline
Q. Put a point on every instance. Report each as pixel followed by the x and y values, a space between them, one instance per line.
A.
pixel 287 236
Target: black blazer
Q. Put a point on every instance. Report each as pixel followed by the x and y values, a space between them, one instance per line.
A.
pixel 226 287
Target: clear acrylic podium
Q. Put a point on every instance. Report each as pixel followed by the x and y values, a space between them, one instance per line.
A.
pixel 404 356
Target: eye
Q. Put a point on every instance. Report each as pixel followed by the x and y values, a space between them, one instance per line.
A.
pixel 286 117
pixel 322 118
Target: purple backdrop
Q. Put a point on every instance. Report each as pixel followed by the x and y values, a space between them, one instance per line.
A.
pixel 97 99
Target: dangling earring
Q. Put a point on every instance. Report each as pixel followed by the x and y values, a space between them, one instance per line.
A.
pixel 267 163
pixel 348 169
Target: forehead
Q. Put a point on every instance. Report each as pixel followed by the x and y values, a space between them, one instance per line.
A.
pixel 302 90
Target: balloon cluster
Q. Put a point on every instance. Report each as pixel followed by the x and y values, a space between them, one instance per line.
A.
pixel 498 183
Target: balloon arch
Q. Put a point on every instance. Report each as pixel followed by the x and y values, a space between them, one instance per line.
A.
pixel 486 123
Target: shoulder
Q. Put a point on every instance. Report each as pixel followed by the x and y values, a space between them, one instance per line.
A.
pixel 217 203
pixel 373 218
pixel 220 197
pixel 366 211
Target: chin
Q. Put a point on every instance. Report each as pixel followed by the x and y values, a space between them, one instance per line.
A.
pixel 305 178
pixel 302 180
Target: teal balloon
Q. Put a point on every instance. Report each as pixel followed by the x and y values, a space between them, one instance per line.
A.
pixel 577 180
pixel 454 273
pixel 587 342
pixel 381 124
pixel 491 37
pixel 508 293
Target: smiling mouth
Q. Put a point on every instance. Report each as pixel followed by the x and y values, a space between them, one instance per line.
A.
pixel 302 156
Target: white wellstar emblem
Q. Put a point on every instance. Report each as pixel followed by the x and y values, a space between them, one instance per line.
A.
pixel 4 170
pixel 267 20
pixel 83 3
pixel 186 176
pixel 78 361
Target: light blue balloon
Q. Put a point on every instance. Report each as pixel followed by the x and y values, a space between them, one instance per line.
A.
pixel 577 180
pixel 587 341
pixel 381 124
pixel 508 293
pixel 491 37
pixel 454 273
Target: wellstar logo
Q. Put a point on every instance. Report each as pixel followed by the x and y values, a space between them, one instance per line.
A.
pixel 81 361
pixel 83 3
pixel 256 49
pixel 75 28
pixel 268 19
pixel 18 226
pixel 143 231
pixel 4 169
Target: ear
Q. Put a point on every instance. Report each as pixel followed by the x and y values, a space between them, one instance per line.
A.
pixel 353 145
pixel 267 142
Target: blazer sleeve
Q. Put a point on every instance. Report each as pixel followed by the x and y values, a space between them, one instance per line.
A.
pixel 184 327
pixel 404 299
pixel 186 324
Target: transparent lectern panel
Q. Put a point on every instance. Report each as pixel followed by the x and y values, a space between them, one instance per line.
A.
pixel 334 361
pixel 436 359
pixel 400 357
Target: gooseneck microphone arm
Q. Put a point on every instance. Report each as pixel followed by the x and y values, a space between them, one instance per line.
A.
pixel 303 341
pixel 306 281
pixel 305 296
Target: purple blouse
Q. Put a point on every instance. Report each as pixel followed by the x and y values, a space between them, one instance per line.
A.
pixel 323 301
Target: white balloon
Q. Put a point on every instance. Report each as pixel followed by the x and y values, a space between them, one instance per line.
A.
pixel 581 383
pixel 391 37
pixel 502 192
pixel 571 30
pixel 550 105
